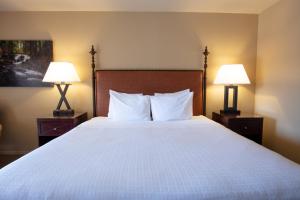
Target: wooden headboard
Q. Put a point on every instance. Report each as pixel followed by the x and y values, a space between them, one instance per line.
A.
pixel 148 82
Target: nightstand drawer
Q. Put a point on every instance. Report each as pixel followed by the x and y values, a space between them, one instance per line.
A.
pixel 53 128
pixel 245 126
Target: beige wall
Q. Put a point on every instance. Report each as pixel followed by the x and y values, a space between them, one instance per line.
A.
pixel 125 41
pixel 278 77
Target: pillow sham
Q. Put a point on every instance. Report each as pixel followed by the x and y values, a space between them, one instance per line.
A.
pixel 182 92
pixel 168 107
pixel 128 107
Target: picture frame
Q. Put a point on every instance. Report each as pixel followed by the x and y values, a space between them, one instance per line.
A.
pixel 23 63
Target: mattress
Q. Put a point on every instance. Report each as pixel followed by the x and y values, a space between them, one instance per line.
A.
pixel 191 159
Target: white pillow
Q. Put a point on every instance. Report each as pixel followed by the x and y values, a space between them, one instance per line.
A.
pixel 182 92
pixel 128 107
pixel 167 108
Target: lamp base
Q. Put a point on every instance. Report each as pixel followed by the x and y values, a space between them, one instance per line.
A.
pixel 61 113
pixel 230 112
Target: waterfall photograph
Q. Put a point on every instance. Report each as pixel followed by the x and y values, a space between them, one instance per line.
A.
pixel 23 63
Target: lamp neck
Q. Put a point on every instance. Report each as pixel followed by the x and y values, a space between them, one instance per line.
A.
pixel 62 83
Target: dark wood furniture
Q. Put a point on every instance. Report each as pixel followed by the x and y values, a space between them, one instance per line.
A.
pixel 148 82
pixel 52 127
pixel 247 125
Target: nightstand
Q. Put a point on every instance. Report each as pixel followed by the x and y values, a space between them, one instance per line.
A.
pixel 52 127
pixel 247 125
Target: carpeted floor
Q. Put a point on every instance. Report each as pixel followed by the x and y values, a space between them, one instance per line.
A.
pixel 6 159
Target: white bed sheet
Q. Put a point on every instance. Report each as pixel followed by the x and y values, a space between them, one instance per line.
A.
pixel 192 159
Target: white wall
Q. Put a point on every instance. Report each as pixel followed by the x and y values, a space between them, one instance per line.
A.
pixel 277 94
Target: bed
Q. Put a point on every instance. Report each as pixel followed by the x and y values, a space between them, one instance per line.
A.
pixel 187 159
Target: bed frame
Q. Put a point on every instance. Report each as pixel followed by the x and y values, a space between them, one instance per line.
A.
pixel 147 82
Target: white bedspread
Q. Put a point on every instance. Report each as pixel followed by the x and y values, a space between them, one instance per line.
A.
pixel 193 159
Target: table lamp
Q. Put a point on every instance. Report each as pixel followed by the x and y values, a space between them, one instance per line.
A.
pixel 231 76
pixel 62 73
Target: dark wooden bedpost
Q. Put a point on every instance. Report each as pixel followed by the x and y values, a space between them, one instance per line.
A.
pixel 93 52
pixel 205 53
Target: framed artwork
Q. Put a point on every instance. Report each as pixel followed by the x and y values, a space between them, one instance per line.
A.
pixel 23 63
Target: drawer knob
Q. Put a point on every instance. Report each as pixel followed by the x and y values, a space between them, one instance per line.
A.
pixel 245 127
pixel 54 129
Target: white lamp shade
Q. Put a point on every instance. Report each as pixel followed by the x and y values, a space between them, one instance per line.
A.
pixel 233 74
pixel 61 72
